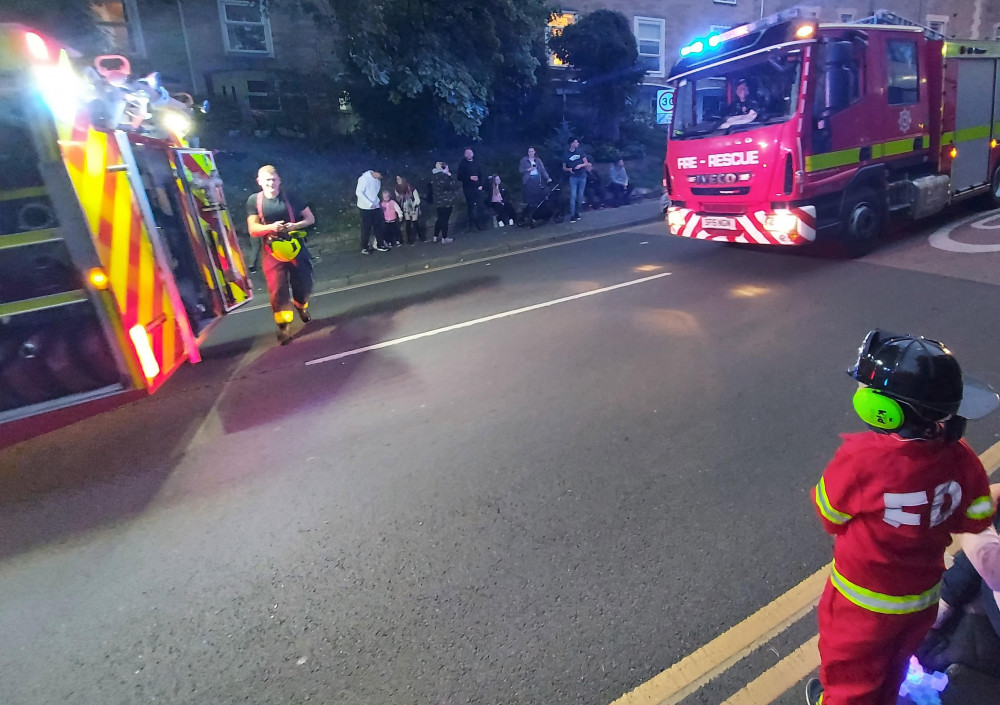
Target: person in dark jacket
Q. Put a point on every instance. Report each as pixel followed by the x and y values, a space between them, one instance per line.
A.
pixel 967 630
pixel 470 175
pixel 443 194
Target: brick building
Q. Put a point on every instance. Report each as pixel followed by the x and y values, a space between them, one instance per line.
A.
pixel 231 52
pixel 226 50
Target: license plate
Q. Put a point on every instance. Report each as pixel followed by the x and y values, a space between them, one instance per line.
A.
pixel 718 223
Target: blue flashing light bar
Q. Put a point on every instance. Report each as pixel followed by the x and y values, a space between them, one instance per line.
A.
pixel 716 40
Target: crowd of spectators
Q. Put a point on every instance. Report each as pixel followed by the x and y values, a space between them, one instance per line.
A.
pixel 395 213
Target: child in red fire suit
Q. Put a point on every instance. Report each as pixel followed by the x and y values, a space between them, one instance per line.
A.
pixel 892 497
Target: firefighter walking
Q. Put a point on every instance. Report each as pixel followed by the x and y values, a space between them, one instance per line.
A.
pixel 281 219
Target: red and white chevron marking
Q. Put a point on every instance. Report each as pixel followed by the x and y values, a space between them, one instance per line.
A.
pixel 750 229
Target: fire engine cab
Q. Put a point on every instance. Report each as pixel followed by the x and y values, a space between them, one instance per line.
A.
pixel 117 251
pixel 785 130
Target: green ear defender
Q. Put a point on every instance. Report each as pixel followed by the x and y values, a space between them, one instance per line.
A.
pixel 877 409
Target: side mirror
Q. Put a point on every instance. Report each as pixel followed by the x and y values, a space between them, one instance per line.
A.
pixel 836 67
pixel 838 90
pixel 204 107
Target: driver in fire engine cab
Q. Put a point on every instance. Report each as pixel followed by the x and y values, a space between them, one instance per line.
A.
pixel 744 109
pixel 281 220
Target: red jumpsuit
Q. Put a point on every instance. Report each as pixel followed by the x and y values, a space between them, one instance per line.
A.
pixel 892 505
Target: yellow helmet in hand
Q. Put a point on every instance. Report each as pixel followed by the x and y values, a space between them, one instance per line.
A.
pixel 285 250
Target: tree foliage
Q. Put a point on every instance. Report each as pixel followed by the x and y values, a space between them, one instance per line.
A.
pixel 410 61
pixel 70 20
pixel 413 68
pixel 602 50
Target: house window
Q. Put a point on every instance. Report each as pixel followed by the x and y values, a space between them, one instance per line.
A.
pixel 938 23
pixel 649 37
pixel 724 2
pixel 846 15
pixel 904 83
pixel 245 28
pixel 118 23
pixel 557 23
pixel 996 32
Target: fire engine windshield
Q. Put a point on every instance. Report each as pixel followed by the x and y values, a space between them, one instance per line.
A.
pixel 737 96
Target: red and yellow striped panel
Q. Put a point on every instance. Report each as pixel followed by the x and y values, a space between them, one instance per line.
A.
pixel 123 246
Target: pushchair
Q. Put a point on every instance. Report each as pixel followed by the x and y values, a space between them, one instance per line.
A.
pixel 549 206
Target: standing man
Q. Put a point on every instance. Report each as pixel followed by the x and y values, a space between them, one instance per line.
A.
pixel 470 174
pixel 576 164
pixel 369 192
pixel 280 220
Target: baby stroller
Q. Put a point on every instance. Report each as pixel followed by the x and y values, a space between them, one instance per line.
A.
pixel 550 206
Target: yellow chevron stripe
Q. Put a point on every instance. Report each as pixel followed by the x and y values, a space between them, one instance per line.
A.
pixel 170 351
pixel 145 281
pixel 92 194
pixel 121 219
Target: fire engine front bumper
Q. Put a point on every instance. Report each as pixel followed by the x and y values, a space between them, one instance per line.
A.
pixel 781 226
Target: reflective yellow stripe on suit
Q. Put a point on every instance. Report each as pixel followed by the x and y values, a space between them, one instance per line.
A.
pixel 826 509
pixel 882 603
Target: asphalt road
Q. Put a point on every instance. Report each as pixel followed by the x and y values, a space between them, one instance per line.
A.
pixel 547 506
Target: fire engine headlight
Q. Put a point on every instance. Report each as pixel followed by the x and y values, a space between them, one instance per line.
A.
pixel 781 223
pixel 675 221
pixel 176 122
pixel 60 87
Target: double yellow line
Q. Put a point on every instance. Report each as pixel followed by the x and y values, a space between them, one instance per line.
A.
pixel 692 672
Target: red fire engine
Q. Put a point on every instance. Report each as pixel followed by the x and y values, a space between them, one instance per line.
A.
pixel 785 130
pixel 117 252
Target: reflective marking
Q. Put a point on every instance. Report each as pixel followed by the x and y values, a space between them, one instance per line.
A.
pixel 464 263
pixel 484 319
pixel 773 682
pixel 692 672
pixel 42 302
pixel 941 238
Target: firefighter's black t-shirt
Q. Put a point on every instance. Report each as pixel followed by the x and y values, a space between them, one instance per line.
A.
pixel 274 208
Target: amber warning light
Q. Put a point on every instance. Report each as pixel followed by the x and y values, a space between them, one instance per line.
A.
pixel 98 279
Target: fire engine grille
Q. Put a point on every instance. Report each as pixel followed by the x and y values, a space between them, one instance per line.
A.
pixel 724 208
pixel 725 191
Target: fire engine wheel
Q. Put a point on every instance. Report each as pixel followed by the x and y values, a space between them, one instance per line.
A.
pixel 992 199
pixel 864 220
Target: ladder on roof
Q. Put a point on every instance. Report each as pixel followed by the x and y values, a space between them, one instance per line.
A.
pixel 891 18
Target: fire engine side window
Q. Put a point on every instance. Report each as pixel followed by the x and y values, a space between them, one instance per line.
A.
pixel 904 83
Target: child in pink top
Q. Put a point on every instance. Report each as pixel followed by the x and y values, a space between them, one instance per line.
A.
pixel 392 214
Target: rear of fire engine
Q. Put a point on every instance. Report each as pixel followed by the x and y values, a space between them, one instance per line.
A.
pixel 844 125
pixel 117 252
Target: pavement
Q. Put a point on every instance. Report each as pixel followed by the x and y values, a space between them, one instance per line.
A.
pixel 337 269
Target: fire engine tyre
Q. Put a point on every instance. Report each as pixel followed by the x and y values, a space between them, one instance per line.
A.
pixel 992 199
pixel 864 220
